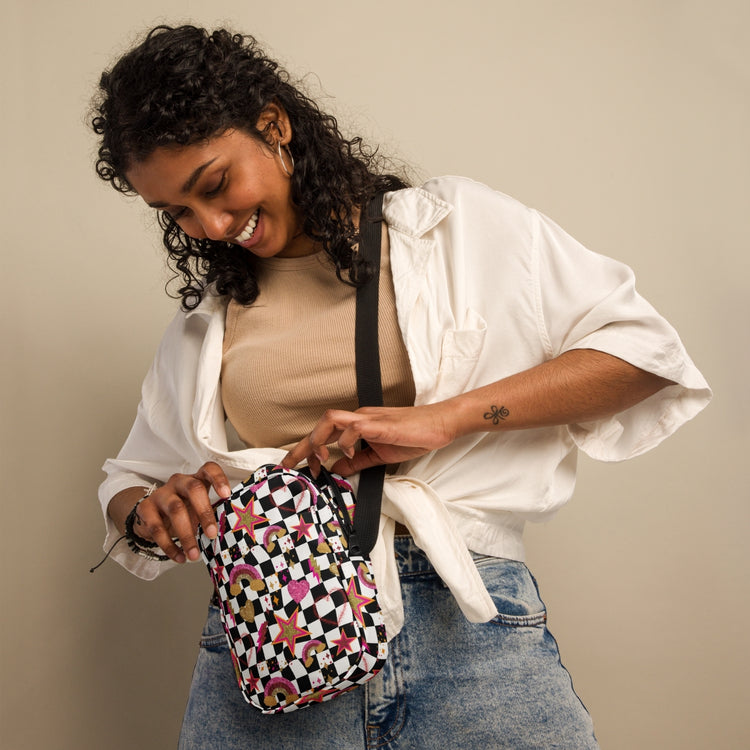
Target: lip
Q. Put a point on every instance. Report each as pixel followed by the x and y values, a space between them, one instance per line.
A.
pixel 257 234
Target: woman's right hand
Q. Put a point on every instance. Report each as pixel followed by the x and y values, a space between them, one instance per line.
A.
pixel 174 510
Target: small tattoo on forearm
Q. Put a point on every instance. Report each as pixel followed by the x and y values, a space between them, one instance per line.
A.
pixel 496 414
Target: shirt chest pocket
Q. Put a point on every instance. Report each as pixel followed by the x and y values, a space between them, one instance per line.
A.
pixel 459 353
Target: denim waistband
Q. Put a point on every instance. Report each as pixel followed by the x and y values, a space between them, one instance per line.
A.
pixel 410 559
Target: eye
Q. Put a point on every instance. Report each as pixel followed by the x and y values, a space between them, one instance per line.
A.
pixel 178 214
pixel 218 188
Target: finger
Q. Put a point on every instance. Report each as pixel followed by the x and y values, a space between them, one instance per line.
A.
pixel 216 477
pixel 360 460
pixel 152 527
pixel 349 438
pixel 303 450
pixel 211 474
pixel 182 510
pixel 189 506
pixel 314 464
pixel 328 429
pixel 296 454
pixel 368 423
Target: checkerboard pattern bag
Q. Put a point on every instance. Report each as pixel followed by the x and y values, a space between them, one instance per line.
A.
pixel 298 600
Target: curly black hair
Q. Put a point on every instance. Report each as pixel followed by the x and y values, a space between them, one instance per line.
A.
pixel 184 85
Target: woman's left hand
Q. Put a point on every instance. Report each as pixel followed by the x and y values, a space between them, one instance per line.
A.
pixel 393 434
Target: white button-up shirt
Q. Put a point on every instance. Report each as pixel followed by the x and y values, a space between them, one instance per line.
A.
pixel 485 287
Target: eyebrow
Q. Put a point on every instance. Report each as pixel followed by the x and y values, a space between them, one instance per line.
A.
pixel 189 183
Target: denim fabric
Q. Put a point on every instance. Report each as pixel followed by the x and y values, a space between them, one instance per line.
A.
pixel 447 683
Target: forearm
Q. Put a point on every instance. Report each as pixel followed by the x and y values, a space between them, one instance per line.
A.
pixel 578 386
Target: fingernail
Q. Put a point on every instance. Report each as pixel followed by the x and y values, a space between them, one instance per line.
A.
pixel 193 554
pixel 211 531
pixel 180 558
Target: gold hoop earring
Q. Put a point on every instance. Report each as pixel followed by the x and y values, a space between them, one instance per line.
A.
pixel 281 158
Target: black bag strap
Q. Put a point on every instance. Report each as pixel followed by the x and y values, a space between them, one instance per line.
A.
pixel 367 358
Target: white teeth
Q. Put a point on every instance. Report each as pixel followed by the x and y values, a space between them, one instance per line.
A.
pixel 249 229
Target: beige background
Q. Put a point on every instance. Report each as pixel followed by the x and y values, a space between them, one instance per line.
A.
pixel 627 122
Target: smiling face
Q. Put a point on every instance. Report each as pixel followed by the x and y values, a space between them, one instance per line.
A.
pixel 231 188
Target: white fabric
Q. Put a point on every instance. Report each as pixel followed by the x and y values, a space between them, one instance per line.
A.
pixel 485 288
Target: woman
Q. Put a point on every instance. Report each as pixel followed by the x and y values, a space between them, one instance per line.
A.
pixel 505 346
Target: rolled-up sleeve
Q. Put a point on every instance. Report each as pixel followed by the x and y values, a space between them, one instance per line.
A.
pixel 149 455
pixel 589 301
pixel 161 441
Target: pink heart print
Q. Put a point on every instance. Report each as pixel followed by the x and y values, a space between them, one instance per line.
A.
pixel 298 590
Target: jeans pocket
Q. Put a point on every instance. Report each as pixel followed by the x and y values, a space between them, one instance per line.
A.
pixel 213 637
pixel 214 642
pixel 520 621
pixel 514 592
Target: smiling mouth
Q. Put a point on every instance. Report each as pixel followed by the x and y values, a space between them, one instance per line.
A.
pixel 249 229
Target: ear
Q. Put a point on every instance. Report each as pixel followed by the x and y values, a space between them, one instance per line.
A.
pixel 273 125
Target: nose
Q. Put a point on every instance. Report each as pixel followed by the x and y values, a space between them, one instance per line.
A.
pixel 214 222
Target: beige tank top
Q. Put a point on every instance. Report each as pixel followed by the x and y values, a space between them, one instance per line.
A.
pixel 290 355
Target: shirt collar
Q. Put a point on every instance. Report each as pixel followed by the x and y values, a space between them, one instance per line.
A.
pixel 414 211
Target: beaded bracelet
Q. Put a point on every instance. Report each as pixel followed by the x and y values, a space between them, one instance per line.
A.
pixel 136 543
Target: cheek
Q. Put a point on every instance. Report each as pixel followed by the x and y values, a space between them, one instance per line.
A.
pixel 192 228
pixel 261 182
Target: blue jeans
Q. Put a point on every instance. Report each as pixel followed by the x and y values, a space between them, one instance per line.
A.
pixel 447 683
